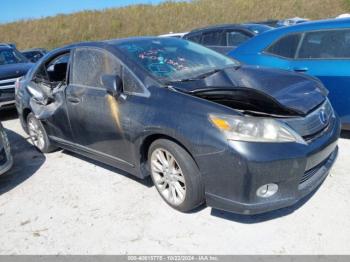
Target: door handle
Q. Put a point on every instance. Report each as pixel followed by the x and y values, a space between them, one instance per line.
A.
pixel 300 69
pixel 73 99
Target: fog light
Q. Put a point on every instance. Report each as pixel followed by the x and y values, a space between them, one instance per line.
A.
pixel 267 190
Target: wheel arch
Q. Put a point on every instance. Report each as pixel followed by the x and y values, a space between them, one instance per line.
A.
pixel 147 142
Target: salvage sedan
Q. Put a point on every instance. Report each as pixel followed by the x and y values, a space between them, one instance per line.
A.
pixel 204 127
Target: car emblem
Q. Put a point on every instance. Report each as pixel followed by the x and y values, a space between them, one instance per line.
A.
pixel 323 117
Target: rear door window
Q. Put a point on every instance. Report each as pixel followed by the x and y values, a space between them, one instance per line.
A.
pixel 285 46
pixel 235 38
pixel 326 44
pixel 195 38
pixel 91 64
pixel 212 38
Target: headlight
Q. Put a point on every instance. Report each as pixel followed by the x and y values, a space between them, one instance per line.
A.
pixel 254 129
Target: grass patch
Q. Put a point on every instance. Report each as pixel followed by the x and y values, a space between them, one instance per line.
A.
pixel 169 16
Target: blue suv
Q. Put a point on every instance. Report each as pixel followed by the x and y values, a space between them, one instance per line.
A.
pixel 320 49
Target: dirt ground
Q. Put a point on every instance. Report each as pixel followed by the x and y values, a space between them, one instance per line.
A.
pixel 62 203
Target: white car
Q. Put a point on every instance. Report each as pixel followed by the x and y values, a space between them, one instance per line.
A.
pixel 176 35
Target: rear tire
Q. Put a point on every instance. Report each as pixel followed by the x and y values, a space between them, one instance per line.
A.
pixel 175 175
pixel 38 135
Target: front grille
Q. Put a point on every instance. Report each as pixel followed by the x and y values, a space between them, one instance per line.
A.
pixel 7 84
pixel 3 157
pixel 7 90
pixel 312 124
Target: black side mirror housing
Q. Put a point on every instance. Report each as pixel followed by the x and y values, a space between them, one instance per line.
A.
pixel 113 84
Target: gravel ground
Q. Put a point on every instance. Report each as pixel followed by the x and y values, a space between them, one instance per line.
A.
pixel 62 203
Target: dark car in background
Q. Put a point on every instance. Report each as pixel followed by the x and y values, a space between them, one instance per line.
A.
pixel 203 126
pixel 6 159
pixel 34 54
pixel 12 66
pixel 224 38
pixel 282 22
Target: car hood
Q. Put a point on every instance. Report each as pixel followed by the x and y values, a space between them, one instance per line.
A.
pixel 14 70
pixel 294 91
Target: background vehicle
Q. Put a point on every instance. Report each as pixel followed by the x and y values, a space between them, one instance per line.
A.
pixel 203 126
pixel 176 35
pixel 320 49
pixel 291 21
pixel 224 38
pixel 6 159
pixel 269 22
pixel 34 54
pixel 12 66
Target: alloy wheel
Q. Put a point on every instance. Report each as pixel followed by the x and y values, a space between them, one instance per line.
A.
pixel 168 177
pixel 36 134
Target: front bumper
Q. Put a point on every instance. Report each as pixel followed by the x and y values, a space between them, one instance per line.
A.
pixel 7 92
pixel 232 177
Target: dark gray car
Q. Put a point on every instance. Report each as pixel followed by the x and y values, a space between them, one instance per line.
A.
pixel 203 126
pixel 224 38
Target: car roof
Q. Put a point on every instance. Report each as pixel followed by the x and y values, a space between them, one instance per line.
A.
pixel 223 26
pixel 261 41
pixel 5 46
pixel 33 49
pixel 111 43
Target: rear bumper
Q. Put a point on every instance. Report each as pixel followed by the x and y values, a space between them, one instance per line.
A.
pixel 233 176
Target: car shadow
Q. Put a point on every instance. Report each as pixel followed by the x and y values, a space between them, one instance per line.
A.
pixel 8 114
pixel 26 161
pixel 345 134
pixel 146 182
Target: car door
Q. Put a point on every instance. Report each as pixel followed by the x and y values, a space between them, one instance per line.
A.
pixel 325 54
pixel 96 123
pixel 214 40
pixel 47 88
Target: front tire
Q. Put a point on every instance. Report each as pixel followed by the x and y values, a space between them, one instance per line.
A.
pixel 175 175
pixel 38 135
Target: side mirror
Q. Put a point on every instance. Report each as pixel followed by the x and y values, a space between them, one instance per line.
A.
pixel 113 84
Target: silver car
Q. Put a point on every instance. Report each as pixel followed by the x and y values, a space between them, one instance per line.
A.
pixel 6 159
